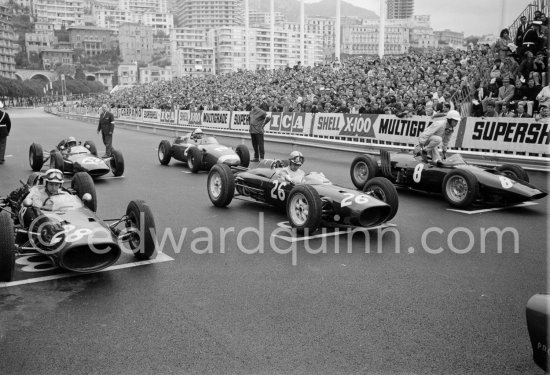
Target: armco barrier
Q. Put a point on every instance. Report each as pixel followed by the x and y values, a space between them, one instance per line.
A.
pixel 483 140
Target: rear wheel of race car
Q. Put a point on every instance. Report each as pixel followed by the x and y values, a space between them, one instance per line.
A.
pixel 117 163
pixel 460 188
pixel 33 179
pixel 194 159
pixel 82 183
pixel 141 220
pixel 221 185
pixel 90 145
pixel 514 171
pixel 382 188
pixel 56 160
pixel 363 168
pixel 36 157
pixel 304 208
pixel 244 154
pixel 7 247
pixel 165 152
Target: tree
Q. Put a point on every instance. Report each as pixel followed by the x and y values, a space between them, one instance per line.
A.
pixel 79 73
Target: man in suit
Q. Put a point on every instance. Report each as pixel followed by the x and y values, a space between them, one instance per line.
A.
pixel 5 127
pixel 505 94
pixel 106 127
pixel 521 30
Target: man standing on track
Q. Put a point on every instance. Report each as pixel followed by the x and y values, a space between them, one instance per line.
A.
pixel 106 126
pixel 5 127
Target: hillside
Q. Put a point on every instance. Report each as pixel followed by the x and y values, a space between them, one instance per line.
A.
pixel 324 8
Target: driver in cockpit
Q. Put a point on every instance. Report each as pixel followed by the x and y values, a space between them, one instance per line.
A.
pixel 66 144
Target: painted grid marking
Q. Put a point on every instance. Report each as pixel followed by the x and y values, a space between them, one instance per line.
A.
pixel 524 204
pixel 332 234
pixel 161 257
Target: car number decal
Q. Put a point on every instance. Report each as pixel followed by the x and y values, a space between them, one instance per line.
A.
pixel 350 198
pixel 89 161
pixel 70 234
pixel 35 263
pixel 278 192
pixel 417 175
pixel 220 148
pixel 506 182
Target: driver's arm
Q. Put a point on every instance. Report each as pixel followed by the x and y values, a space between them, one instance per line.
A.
pixel 37 196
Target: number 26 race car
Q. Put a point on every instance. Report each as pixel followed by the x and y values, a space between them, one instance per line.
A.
pixel 67 230
pixel 310 204
pixel 461 184
pixel 71 157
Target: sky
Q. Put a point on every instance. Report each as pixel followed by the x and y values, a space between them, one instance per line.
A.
pixel 473 17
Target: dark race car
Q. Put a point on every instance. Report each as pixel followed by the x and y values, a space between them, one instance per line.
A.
pixel 202 154
pixel 461 184
pixel 537 314
pixel 71 157
pixel 308 204
pixel 69 232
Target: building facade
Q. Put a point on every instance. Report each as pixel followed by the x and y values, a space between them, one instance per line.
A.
pixel 362 39
pixel 450 38
pixel 105 77
pixel 111 15
pixel 208 15
pixel 8 41
pixel 93 40
pixel 421 33
pixel 192 52
pixel 61 13
pixel 152 74
pixel 51 57
pixel 128 74
pixel 36 42
pixel 399 9
pixel 135 42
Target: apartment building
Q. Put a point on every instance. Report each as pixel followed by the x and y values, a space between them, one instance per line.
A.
pixel 8 42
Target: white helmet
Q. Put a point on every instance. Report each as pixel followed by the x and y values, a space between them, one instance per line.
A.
pixel 453 115
pixel 53 175
pixel 296 157
pixel 197 133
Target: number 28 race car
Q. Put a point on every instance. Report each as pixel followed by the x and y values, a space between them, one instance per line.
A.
pixel 67 230
pixel 461 184
pixel 308 204
pixel 202 153
pixel 71 157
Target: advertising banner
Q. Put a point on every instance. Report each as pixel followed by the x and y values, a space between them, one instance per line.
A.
pixel 240 120
pixel 195 118
pixel 183 117
pixel 151 115
pixel 168 117
pixel 506 133
pixel 298 123
pixel 402 130
pixel 343 125
pixel 132 114
pixel 216 119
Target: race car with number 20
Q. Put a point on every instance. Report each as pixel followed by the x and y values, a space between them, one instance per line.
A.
pixel 461 184
pixel 310 204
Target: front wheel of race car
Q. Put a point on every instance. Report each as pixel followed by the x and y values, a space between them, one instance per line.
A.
pixel 56 160
pixel 82 183
pixel 90 145
pixel 382 188
pixel 7 247
pixel 36 157
pixel 221 185
pixel 363 168
pixel 304 208
pixel 165 152
pixel 117 163
pixel 194 159
pixel 244 154
pixel 514 171
pixel 141 223
pixel 460 188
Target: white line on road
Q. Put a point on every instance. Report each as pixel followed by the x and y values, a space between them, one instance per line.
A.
pixel 111 177
pixel 8 156
pixel 524 204
pixel 332 234
pixel 161 257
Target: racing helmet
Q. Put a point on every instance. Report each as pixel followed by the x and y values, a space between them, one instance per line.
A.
pixel 453 115
pixel 197 134
pixel 71 141
pixel 296 158
pixel 53 175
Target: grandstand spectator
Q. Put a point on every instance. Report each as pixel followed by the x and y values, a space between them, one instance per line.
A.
pixel 490 112
pixel 539 68
pixel 479 97
pixel 531 92
pixel 543 97
pixel 521 113
pixel 505 94
pixel 502 44
pixel 544 113
pixel 532 39
pixel 527 65
pixel 521 30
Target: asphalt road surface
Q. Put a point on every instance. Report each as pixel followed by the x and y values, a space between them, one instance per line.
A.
pixel 234 294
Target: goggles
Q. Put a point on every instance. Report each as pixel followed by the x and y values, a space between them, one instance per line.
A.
pixel 299 160
pixel 55 177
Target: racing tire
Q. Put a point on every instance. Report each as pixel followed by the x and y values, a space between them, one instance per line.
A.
pixel 82 183
pixel 244 154
pixel 33 179
pixel 460 188
pixel 56 160
pixel 90 145
pixel 117 163
pixel 36 157
pixel 194 159
pixel 221 185
pixel 140 217
pixel 7 247
pixel 382 188
pixel 165 152
pixel 514 171
pixel 304 208
pixel 363 168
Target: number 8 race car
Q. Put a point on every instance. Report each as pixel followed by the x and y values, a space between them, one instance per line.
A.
pixel 68 231
pixel 308 204
pixel 461 184
pixel 71 157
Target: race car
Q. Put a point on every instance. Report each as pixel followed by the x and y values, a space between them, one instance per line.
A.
pixel 202 153
pixel 461 184
pixel 69 232
pixel 537 313
pixel 309 205
pixel 72 157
